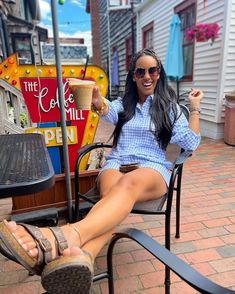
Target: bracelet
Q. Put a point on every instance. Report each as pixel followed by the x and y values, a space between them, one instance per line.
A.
pixel 195 109
pixel 194 112
pixel 102 109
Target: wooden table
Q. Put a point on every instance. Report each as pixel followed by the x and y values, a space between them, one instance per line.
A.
pixel 25 165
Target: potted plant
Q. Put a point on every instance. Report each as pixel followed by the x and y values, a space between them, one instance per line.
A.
pixel 203 32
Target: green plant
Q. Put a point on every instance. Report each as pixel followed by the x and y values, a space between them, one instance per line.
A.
pixel 23 119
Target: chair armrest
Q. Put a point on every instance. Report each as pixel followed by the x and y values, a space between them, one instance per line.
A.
pixel 183 156
pixel 177 265
pixel 89 147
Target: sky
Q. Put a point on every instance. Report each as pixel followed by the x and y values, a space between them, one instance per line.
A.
pixel 73 20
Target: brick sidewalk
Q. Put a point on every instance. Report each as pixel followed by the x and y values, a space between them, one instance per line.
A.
pixel 207 239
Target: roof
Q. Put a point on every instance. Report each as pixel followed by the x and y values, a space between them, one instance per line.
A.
pixel 67 51
pixel 16 20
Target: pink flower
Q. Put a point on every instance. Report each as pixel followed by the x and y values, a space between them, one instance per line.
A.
pixel 202 32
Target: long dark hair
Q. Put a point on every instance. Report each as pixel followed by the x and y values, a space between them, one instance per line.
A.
pixel 164 101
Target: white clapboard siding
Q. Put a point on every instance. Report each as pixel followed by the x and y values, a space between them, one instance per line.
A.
pixel 214 65
pixel 229 68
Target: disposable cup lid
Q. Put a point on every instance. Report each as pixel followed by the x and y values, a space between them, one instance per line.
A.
pixel 73 81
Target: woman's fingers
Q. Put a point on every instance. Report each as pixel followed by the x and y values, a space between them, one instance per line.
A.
pixel 96 98
pixel 195 93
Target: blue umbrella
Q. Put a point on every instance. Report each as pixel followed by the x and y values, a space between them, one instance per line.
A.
pixel 174 65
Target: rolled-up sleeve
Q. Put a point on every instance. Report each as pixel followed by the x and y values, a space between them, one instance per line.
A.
pixel 114 108
pixel 183 136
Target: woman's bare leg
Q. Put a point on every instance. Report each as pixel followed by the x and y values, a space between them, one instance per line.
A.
pixel 94 246
pixel 139 185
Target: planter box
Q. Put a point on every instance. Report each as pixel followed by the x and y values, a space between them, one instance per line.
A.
pixel 55 196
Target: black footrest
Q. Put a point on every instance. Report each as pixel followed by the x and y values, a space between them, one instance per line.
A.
pixel 43 217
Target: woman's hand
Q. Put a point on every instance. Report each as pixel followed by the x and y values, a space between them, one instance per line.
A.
pixel 97 99
pixel 195 97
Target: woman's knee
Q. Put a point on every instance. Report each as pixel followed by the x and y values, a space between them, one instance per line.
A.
pixel 106 181
pixel 124 184
pixel 128 183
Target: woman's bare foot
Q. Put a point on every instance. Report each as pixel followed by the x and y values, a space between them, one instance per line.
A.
pixel 29 245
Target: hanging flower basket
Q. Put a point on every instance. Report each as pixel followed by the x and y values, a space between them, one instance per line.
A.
pixel 203 32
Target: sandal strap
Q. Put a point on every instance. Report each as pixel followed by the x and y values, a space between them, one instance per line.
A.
pixel 43 245
pixel 60 242
pixel 88 254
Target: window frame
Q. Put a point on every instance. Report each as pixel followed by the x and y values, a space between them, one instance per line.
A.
pixel 128 46
pixel 18 36
pixel 147 28
pixel 187 4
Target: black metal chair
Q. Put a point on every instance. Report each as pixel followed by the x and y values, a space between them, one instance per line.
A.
pixel 162 206
pixel 174 263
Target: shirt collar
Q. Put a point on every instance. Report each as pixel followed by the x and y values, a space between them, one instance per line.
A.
pixel 149 99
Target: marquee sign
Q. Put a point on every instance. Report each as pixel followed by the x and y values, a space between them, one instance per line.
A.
pixel 42 100
pixel 38 84
pixel 53 136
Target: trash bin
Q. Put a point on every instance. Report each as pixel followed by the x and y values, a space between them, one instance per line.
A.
pixel 229 123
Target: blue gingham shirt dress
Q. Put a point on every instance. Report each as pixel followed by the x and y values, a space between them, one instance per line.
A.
pixel 137 143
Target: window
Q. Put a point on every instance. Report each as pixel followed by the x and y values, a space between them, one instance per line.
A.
pixel 22 9
pixel 128 52
pixel 187 15
pixel 22 45
pixel 147 36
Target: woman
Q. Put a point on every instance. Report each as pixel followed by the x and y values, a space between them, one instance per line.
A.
pixel 147 119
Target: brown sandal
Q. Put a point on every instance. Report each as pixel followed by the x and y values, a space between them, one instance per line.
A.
pixel 70 274
pixel 12 249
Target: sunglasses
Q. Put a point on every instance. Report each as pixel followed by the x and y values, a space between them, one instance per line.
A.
pixel 152 71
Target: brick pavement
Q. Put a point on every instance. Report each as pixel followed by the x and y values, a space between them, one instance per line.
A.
pixel 207 239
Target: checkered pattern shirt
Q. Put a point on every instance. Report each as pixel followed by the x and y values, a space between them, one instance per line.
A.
pixel 137 143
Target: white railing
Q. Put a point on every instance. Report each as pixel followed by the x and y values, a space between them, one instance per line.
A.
pixel 12 110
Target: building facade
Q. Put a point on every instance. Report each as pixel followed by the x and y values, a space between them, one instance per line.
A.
pixel 113 35
pixel 19 31
pixel 208 66
pixel 72 51
pixel 19 34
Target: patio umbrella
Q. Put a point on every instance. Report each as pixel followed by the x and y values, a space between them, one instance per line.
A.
pixel 174 66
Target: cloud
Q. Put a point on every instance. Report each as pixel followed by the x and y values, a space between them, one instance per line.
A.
pixel 45 10
pixel 77 2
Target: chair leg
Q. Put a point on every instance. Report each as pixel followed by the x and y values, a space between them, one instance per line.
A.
pixel 177 229
pixel 167 245
pixel 76 209
pixel 167 280
pixel 110 267
pixel 178 198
